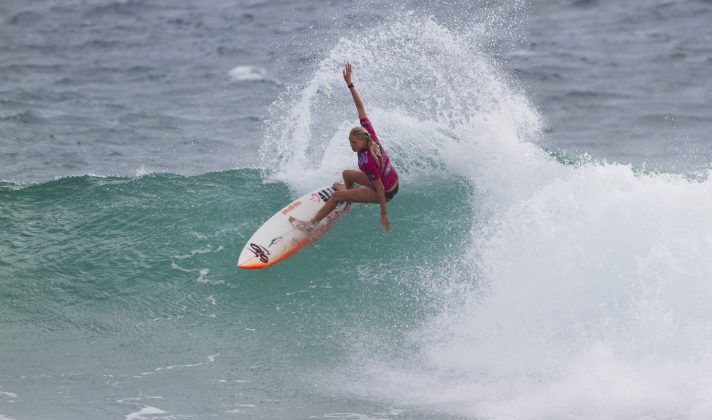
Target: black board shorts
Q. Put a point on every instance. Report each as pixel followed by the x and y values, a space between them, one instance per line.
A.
pixel 392 193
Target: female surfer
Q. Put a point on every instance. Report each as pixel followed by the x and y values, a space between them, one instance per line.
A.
pixel 377 177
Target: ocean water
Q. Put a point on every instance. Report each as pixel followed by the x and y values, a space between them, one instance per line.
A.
pixel 549 250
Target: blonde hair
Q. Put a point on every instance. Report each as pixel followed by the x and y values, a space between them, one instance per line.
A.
pixel 362 133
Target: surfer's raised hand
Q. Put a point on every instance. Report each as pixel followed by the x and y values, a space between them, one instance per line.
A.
pixel 347 73
pixel 357 99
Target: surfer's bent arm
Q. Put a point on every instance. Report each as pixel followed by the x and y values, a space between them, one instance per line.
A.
pixel 354 93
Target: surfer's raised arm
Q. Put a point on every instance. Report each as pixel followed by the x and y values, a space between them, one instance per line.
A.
pixel 357 99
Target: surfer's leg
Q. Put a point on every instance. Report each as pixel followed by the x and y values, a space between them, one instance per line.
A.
pixel 352 176
pixel 354 195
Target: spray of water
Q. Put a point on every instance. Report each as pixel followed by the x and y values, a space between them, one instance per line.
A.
pixel 589 284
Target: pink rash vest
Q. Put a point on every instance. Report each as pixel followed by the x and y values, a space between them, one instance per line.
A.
pixel 368 163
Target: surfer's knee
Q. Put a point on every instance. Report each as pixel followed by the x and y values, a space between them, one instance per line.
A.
pixel 339 196
pixel 348 175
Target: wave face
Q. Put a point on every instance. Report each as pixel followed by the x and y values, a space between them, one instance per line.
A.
pixel 515 283
pixel 114 286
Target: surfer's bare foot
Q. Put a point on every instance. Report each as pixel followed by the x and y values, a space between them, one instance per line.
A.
pixel 301 224
pixel 339 187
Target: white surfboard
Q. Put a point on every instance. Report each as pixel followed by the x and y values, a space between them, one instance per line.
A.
pixel 277 239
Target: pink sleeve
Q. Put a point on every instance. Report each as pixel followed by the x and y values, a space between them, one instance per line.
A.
pixel 365 123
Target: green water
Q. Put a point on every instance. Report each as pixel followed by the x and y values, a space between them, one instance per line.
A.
pixel 121 294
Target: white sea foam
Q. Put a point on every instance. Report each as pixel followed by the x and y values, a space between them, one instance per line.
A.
pixel 198 251
pixel 160 369
pixel 595 304
pixel 203 277
pixel 142 171
pixel 348 416
pixel 247 74
pixel 144 413
pixel 140 398
pixel 179 268
pixel 589 285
